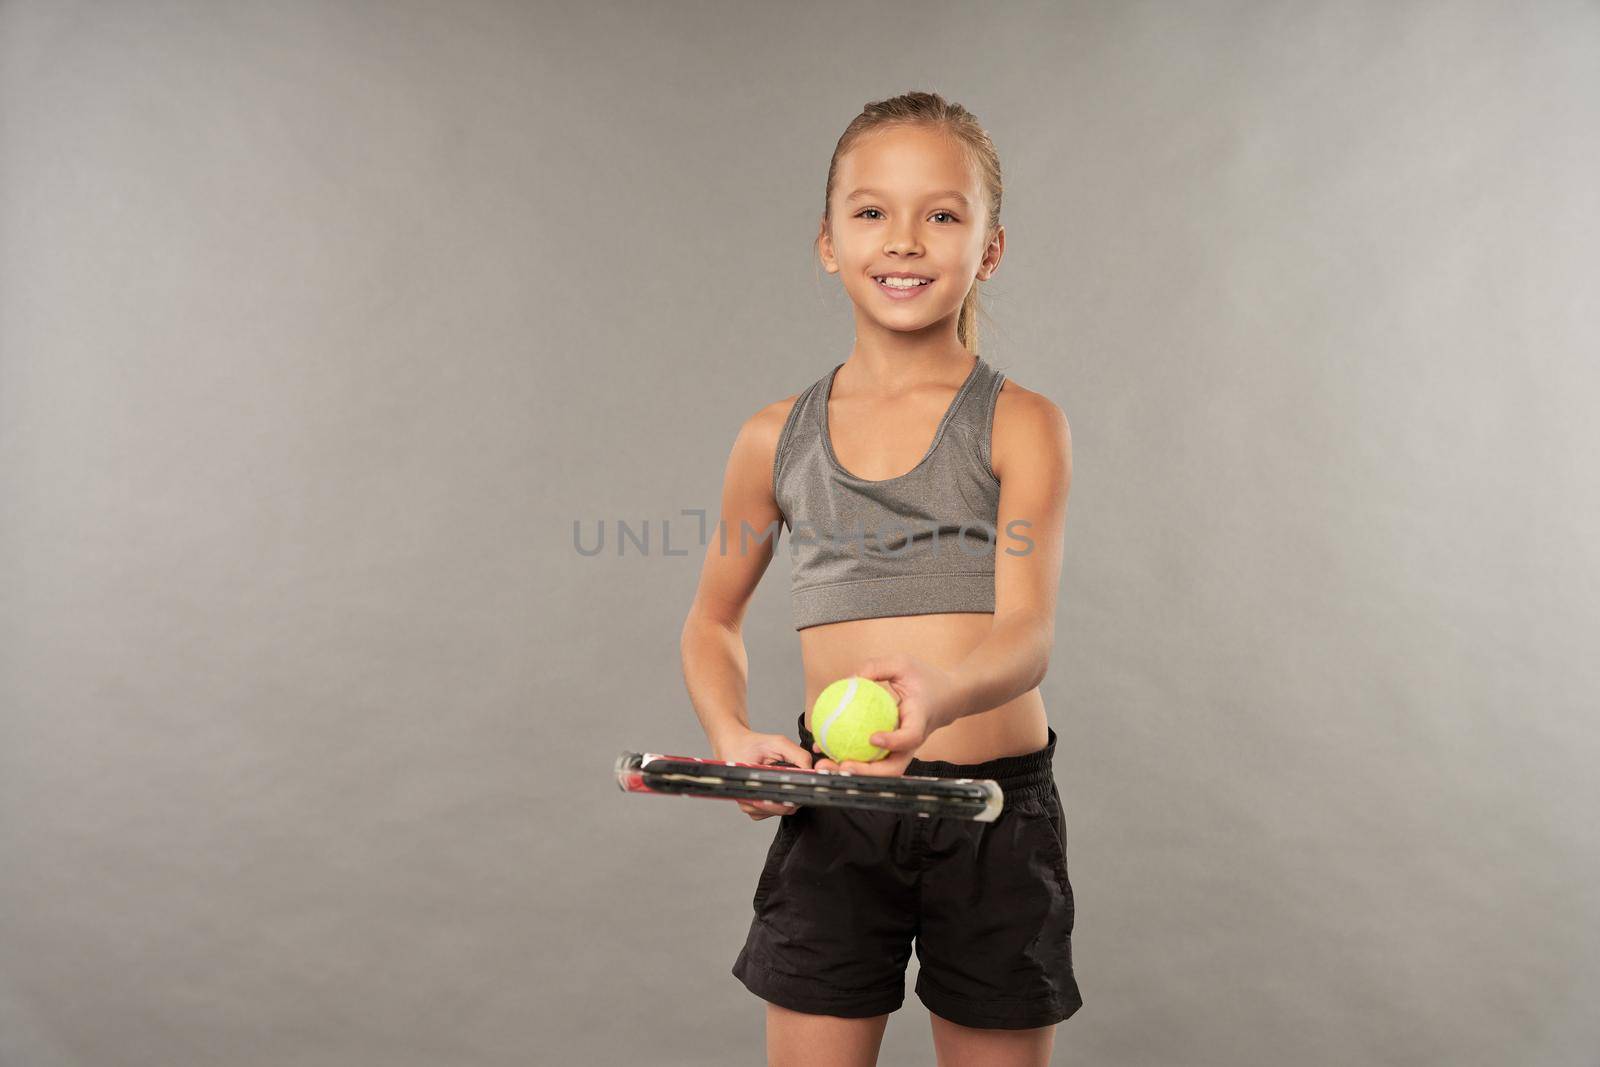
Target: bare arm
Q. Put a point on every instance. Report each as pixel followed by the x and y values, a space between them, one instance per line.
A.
pixel 1032 456
pixel 715 665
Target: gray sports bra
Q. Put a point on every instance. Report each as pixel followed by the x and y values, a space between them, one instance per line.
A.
pixel 917 544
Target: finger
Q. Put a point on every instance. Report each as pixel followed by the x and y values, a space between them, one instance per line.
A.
pixel 881 668
pixel 825 764
pixel 888 767
pixel 897 740
pixel 792 752
pixel 876 669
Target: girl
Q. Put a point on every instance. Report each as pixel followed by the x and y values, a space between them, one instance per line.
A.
pixel 926 496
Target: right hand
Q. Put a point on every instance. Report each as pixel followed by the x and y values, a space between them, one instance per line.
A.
pixel 751 747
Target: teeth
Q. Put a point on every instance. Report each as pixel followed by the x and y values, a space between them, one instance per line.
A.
pixel 902 283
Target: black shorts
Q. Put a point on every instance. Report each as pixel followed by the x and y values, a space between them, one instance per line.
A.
pixel 844 894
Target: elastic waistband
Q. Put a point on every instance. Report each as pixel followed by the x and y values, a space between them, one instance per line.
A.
pixel 1025 776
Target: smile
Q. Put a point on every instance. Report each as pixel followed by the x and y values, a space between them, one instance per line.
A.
pixel 898 288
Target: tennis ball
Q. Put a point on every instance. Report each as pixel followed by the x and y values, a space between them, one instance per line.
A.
pixel 850 711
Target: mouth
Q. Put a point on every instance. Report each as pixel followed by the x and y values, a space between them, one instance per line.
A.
pixel 902 286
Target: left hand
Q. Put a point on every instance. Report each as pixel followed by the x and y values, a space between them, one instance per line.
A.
pixel 928 699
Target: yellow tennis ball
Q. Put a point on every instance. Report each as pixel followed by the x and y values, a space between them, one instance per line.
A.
pixel 850 711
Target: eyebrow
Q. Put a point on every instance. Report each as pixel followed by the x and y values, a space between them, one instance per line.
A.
pixel 860 194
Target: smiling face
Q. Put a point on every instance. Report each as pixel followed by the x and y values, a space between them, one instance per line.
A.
pixel 909 229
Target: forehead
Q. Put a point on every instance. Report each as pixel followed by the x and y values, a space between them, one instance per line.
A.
pixel 907 161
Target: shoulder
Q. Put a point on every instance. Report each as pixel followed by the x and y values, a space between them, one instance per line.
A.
pixel 762 429
pixel 753 460
pixel 1029 429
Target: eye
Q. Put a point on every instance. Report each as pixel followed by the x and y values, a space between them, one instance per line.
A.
pixel 948 214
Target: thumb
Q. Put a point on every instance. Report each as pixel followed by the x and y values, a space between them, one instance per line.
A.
pixel 879 668
pixel 792 752
pixel 894 740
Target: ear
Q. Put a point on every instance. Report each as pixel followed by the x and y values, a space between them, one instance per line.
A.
pixel 992 253
pixel 825 247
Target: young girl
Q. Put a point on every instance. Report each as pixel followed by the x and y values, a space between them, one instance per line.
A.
pixel 926 497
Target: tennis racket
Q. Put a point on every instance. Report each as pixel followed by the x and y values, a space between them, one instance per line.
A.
pixel 955 798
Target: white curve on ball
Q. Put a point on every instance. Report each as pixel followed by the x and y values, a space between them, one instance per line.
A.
pixel 822 734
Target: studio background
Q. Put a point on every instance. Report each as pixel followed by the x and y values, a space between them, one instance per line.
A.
pixel 322 324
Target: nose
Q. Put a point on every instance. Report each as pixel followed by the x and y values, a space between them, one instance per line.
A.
pixel 903 240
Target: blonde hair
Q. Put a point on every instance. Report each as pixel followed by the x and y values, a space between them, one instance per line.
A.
pixel 933 111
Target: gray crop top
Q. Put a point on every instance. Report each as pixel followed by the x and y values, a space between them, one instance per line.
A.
pixel 917 544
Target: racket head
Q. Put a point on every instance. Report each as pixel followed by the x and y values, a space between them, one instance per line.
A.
pixel 980 800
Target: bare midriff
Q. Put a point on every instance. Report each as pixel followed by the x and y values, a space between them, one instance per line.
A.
pixel 834 650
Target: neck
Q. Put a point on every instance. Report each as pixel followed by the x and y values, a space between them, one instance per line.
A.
pixel 892 373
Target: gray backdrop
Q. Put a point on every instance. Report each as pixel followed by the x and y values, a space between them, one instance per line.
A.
pixel 322 324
